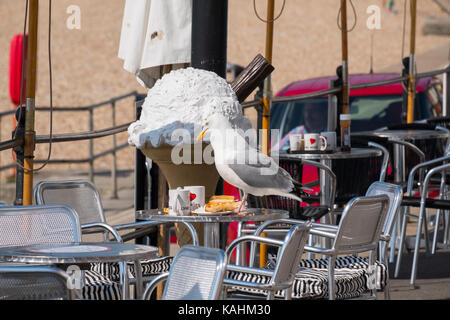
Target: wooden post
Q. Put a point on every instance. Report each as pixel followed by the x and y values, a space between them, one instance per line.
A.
pixel 267 96
pixel 30 134
pixel 412 63
pixel 344 39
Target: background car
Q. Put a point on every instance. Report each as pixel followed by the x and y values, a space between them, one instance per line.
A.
pixel 371 108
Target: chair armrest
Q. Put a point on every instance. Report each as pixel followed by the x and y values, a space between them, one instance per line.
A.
pixel 153 284
pixel 320 225
pixel 239 240
pixel 327 233
pixel 258 271
pixel 138 225
pixel 104 226
pixel 319 250
pixel 148 224
pixel 261 228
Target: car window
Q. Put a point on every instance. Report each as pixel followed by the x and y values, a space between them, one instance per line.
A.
pixel 368 113
pixel 373 112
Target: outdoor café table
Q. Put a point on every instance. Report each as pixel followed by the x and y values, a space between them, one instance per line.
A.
pixel 399 150
pixel 325 183
pixel 326 159
pixel 211 222
pixel 83 253
pixel 399 159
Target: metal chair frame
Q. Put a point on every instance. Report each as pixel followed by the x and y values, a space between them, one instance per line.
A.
pixel 174 278
pixel 24 272
pixel 422 217
pixel 73 231
pixel 289 254
pixel 336 234
pixel 96 227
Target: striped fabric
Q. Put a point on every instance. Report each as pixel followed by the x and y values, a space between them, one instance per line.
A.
pixel 98 287
pixel 311 280
pixel 150 267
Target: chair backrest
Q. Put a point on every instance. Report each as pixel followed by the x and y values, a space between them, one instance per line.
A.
pixel 289 255
pixel 28 225
pixel 361 224
pixel 196 273
pixel 395 194
pixel 34 283
pixel 81 195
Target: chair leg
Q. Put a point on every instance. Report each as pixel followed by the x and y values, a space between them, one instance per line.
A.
pixel 288 293
pixel 422 220
pixel 331 282
pixel 402 243
pixel 123 269
pixel 387 288
pixel 436 231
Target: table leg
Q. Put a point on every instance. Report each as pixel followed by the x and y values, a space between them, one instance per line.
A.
pixel 325 185
pixel 138 278
pixel 124 281
pixel 212 235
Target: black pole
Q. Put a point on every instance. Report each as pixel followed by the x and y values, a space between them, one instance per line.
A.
pixel 209 47
pixel 19 132
pixel 209 35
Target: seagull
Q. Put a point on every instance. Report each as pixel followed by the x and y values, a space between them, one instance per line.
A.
pixel 244 166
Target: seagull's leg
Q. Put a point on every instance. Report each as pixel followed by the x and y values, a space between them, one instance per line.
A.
pixel 243 201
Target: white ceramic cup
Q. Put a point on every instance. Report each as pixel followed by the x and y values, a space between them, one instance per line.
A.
pixel 179 202
pixel 330 136
pixel 296 142
pixel 314 141
pixel 197 196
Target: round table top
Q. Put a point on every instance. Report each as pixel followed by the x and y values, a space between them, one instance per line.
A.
pixel 77 253
pixel 352 154
pixel 252 215
pixel 406 134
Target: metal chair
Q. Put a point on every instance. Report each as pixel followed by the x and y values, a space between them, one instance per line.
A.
pixel 196 273
pixel 272 282
pixel 83 196
pixel 395 194
pixel 359 231
pixel 34 283
pixel 438 166
pixel 28 225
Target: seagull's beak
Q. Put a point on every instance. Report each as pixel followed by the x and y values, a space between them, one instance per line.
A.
pixel 202 134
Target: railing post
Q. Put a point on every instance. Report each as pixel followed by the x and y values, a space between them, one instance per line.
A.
pixel 91 146
pixel 446 90
pixel 114 160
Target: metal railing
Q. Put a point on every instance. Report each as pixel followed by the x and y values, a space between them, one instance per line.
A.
pixel 321 93
pixel 90 135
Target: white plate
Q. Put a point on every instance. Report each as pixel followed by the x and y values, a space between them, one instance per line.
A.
pixel 201 212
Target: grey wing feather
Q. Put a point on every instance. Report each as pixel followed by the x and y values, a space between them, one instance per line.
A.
pixel 252 175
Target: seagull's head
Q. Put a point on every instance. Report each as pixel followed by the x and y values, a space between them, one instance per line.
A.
pixel 216 122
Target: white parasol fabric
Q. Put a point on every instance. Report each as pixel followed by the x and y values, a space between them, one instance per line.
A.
pixel 155 33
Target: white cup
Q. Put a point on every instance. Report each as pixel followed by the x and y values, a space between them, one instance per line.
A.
pixel 197 196
pixel 330 136
pixel 296 142
pixel 179 202
pixel 313 142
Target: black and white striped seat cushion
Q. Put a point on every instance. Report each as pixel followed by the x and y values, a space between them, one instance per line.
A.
pixel 98 287
pixel 150 268
pixel 311 279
